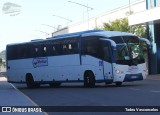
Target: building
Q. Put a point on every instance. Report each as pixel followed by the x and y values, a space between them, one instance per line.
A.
pixel 98 21
pixel 151 18
pixel 144 12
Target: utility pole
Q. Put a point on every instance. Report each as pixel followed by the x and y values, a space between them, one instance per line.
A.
pixel 84 6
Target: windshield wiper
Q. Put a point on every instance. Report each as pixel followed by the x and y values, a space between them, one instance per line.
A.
pixel 129 49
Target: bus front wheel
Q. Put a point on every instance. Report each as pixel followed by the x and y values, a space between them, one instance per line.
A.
pixel 89 79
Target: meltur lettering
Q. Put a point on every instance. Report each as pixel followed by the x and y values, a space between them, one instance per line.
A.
pixel 38 62
pixel 41 61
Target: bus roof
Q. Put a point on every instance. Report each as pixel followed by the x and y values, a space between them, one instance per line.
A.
pixel 108 34
pixel 83 34
pixel 76 33
pixel 93 32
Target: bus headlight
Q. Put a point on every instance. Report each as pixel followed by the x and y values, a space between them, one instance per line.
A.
pixel 118 71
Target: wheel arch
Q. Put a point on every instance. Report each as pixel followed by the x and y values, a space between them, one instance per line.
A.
pixel 87 71
pixel 28 75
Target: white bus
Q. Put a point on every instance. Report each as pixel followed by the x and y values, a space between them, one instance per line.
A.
pixel 90 57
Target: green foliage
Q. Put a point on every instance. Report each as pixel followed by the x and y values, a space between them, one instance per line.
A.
pixel 3 56
pixel 117 25
pixel 122 25
pixel 139 30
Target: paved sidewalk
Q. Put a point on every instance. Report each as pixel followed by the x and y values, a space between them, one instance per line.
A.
pixel 154 77
pixel 10 96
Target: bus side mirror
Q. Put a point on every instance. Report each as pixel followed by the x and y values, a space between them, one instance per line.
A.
pixel 148 43
pixel 114 48
pixel 149 48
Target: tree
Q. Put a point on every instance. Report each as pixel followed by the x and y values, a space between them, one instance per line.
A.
pixel 117 25
pixel 3 57
pixel 139 30
pixel 122 25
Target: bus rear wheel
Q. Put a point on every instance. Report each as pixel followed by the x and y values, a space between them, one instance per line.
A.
pixel 89 79
pixel 30 82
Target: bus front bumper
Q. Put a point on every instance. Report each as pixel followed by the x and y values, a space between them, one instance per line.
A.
pixel 133 77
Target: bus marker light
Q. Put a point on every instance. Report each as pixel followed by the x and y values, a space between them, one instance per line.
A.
pixel 118 72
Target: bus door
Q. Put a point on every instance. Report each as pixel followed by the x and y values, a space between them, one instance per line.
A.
pixel 107 60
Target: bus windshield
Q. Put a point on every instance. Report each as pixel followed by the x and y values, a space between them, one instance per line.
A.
pixel 129 51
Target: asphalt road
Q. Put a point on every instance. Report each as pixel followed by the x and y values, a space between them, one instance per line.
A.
pixel 140 93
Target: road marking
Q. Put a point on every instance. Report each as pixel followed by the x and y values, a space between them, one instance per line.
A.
pixel 155 91
pixel 26 97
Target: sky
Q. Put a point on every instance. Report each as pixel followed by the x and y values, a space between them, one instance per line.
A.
pixel 33 16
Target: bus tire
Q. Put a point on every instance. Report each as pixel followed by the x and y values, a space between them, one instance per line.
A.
pixel 89 79
pixel 118 84
pixel 30 82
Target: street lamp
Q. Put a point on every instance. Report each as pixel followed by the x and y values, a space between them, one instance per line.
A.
pixel 130 27
pixel 43 32
pixel 50 26
pixel 84 6
pixel 129 7
pixel 63 18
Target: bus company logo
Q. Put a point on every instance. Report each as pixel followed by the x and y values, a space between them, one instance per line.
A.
pixel 133 68
pixel 38 62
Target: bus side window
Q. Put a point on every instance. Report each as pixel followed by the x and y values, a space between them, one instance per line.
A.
pixel 53 50
pixel 107 56
pixel 91 50
pixel 12 52
pixel 90 46
pixel 56 50
pixel 65 49
pixel 72 48
pixel 44 51
pixel 50 50
pixel 23 52
pixel 75 48
pixel 36 52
